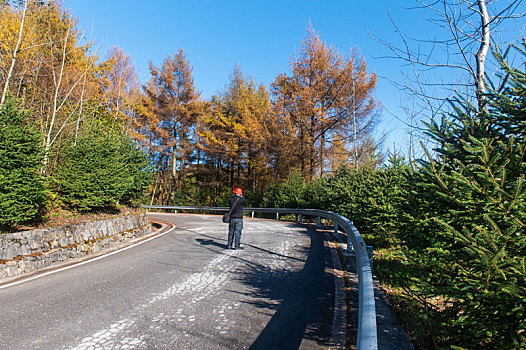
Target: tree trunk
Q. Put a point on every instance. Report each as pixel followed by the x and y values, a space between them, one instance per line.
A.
pixel 322 154
pixel 198 167
pixel 249 172
pixel 15 53
pixel 218 178
pixel 354 122
pixel 173 186
pixel 154 189
pixel 238 175
pixel 311 162
pixel 481 54
pixel 55 105
pixel 302 151
pixel 312 148
pixel 174 150
pixel 80 109
pixel 231 170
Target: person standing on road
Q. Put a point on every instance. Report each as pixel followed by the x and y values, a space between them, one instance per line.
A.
pixel 235 226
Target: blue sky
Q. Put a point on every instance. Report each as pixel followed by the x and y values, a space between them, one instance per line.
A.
pixel 260 36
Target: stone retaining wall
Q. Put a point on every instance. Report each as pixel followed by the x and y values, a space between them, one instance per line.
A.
pixel 28 251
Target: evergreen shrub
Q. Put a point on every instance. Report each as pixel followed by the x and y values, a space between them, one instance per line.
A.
pixel 478 208
pixel 22 192
pixel 102 169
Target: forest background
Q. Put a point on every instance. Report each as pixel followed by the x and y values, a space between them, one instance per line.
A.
pixel 80 134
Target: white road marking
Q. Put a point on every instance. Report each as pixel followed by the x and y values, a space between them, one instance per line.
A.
pixel 198 286
pixel 202 284
pixel 83 262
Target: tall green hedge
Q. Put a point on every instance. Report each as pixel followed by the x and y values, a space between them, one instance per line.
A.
pixel 22 191
pixel 376 200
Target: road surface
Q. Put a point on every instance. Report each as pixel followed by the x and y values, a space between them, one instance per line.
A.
pixel 184 290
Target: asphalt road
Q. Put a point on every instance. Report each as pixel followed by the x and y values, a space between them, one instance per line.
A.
pixel 184 290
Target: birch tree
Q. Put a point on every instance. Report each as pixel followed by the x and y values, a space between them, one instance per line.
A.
pixel 119 83
pixel 67 77
pixel 45 66
pixel 15 52
pixel 455 60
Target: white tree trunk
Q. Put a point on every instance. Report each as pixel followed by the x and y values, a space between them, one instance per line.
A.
pixel 55 105
pixel 15 53
pixel 80 111
pixel 482 53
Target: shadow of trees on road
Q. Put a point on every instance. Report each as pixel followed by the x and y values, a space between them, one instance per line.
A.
pixel 301 300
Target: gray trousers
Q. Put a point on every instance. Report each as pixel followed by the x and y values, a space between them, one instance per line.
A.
pixel 234 231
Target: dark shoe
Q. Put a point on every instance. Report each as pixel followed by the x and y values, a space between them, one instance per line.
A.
pixel 240 248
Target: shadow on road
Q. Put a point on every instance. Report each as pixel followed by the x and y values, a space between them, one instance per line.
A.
pixel 302 300
pixel 211 242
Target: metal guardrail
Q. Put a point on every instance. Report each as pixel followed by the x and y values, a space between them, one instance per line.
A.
pixel 367 334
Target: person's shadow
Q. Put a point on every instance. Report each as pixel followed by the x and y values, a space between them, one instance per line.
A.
pixel 211 242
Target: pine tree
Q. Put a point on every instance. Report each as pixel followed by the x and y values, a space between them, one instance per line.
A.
pixel 235 131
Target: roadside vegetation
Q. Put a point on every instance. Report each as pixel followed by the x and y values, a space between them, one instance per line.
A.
pixel 81 138
pixel 448 232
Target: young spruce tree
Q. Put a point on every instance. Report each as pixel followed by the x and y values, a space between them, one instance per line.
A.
pixel 22 192
pixel 102 170
pixel 478 181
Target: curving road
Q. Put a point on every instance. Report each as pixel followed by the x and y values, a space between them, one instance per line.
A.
pixel 184 290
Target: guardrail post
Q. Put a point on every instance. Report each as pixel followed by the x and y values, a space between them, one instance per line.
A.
pixel 370 253
pixel 350 248
pixel 277 216
pixel 252 214
pixel 301 217
pixel 319 221
pixel 335 227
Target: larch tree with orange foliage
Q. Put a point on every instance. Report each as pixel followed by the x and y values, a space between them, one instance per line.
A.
pixel 172 104
pixel 236 131
pixel 327 106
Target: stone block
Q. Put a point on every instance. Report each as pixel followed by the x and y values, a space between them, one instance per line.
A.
pixel 35 244
pixel 24 250
pixel 63 242
pixel 8 253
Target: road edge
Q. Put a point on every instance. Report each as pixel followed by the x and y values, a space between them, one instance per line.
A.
pixel 339 321
pixel 165 227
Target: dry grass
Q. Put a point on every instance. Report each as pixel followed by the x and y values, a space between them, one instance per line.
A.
pixel 56 215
